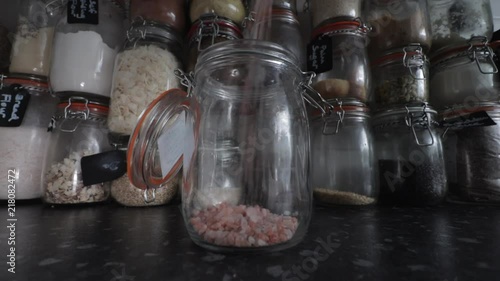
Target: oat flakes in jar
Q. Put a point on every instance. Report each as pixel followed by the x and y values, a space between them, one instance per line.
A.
pixel 78 129
pixel 231 9
pixel 164 12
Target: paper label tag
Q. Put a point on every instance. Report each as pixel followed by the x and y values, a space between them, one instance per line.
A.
pixel 83 11
pixel 171 144
pixel 319 55
pixel 476 119
pixel 13 105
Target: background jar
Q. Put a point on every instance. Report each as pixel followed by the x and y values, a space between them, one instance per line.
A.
pixel 233 10
pixel 464 74
pixel 84 54
pixel 144 68
pixel 78 129
pixel 400 77
pixel 5 47
pixel 324 11
pixel 455 22
pixel 343 166
pixel 410 156
pixel 286 4
pixel 397 24
pixel 171 12
pixel 345 73
pixel 22 148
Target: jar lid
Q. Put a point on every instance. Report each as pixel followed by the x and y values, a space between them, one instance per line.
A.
pixel 28 82
pixel 349 106
pixel 82 108
pixel 285 15
pixel 408 56
pixel 355 26
pixel 492 107
pixel 405 109
pixel 146 29
pixel 215 26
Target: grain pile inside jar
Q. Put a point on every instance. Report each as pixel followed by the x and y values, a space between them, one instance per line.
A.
pixel 328 195
pixel 402 89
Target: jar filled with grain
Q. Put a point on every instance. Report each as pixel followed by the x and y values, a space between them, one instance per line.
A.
pixel 343 166
pixel 401 77
pixel 144 68
pixel 233 10
pixel 396 24
pixel 466 73
pixel 410 156
pixel 338 56
pixel 78 129
pixel 328 11
pixel 170 12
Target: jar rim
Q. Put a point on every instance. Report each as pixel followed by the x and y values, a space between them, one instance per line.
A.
pixel 458 51
pixel 28 82
pixel 355 27
pixel 465 109
pixel 396 55
pixel 399 110
pixel 229 28
pixel 144 29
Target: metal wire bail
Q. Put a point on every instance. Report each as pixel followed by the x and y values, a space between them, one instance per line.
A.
pixel 422 121
pixel 414 62
pixel 148 200
pixel 482 52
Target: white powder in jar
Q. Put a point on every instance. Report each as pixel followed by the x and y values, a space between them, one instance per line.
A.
pixel 322 10
pixel 141 75
pixel 82 63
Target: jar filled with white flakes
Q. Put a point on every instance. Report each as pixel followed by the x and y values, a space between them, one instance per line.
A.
pixel 78 129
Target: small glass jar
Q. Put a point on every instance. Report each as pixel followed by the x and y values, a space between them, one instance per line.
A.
pixel 144 68
pixel 343 166
pixel 401 77
pixel 32 47
pixel 5 47
pixel 454 22
pixel 84 53
pixel 206 31
pixel 338 56
pixel 410 156
pixel 464 74
pixel 230 9
pixel 170 12
pixel 325 11
pixel 78 129
pixel 23 147
pixel 397 24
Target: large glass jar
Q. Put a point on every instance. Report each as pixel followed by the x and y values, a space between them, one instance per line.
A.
pixel 463 74
pixel 454 22
pixel 85 49
pixel 338 56
pixel 231 9
pixel 23 141
pixel 169 12
pixel 32 47
pixel 410 157
pixel 343 166
pixel 400 77
pixel 78 130
pixel 396 24
pixel 324 11
pixel 144 69
pixel 242 137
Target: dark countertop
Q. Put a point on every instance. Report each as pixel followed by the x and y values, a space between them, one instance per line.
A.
pixel 110 242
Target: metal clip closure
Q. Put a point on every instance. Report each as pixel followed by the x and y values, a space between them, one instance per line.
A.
pixel 187 80
pixel 207 22
pixel 423 121
pixel 148 200
pixel 339 120
pixel 482 52
pixel 322 105
pixel 363 27
pixel 249 18
pixel 68 113
pixel 415 61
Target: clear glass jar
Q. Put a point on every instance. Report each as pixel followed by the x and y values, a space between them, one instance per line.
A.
pixel 345 72
pixel 206 31
pixel 84 53
pixel 464 74
pixel 343 166
pixel 401 77
pixel 5 47
pixel 78 129
pixel 325 11
pixel 454 22
pixel 144 68
pixel 231 9
pixel 242 137
pixel 32 47
pixel 170 12
pixel 23 147
pixel 396 24
pixel 410 156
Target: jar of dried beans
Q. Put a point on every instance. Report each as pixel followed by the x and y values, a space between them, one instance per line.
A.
pixel 327 11
pixel 338 56
pixel 410 157
pixel 230 9
pixel 78 129
pixel 343 166
pixel 170 12
pixel 466 73
pixel 144 68
pixel 401 77
pixel 243 118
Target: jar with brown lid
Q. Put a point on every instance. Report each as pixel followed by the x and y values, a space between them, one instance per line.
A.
pixel 167 12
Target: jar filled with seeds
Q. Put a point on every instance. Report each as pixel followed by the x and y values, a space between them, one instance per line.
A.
pixel 327 11
pixel 343 166
pixel 78 129
pixel 338 56
pixel 454 22
pixel 396 24
pixel 144 68
pixel 170 12
pixel 463 74
pixel 410 156
pixel 233 10
pixel 401 77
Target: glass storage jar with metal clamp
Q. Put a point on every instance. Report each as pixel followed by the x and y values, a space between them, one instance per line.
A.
pixel 171 13
pixel 343 166
pixel 410 157
pixel 78 129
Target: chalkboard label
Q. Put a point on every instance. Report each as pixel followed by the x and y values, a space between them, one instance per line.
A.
pixel 14 101
pixel 103 167
pixel 319 55
pixel 476 119
pixel 83 11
